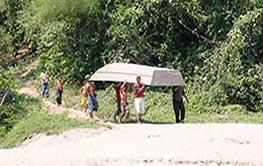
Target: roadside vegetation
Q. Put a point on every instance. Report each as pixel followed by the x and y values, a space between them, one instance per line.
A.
pixel 217 45
pixel 23 116
pixel 159 108
pixel 29 118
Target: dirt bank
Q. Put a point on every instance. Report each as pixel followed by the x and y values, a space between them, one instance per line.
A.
pixel 145 144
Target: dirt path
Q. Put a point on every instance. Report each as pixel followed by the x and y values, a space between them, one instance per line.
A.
pixel 51 107
pixel 145 144
pixel 29 90
pixel 140 145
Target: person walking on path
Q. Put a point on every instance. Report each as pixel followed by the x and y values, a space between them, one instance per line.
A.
pixel 124 102
pixel 178 103
pixel 84 98
pixel 59 91
pixel 92 99
pixel 138 93
pixel 44 80
pixel 118 97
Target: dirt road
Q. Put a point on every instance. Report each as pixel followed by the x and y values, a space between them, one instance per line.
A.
pixel 144 144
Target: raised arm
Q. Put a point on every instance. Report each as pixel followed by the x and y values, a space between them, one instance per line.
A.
pixel 142 88
pixel 123 85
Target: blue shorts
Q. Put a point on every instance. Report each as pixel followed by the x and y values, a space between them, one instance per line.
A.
pixel 45 90
pixel 93 104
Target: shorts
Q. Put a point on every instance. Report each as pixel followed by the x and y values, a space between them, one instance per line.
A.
pixel 125 106
pixel 139 105
pixel 84 101
pixel 59 96
pixel 93 104
pixel 45 91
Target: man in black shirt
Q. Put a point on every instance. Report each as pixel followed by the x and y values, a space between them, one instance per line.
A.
pixel 178 104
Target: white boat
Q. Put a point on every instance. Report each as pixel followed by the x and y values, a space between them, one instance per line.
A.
pixel 153 76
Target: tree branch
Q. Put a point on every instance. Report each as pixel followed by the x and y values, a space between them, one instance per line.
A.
pixel 3 99
pixel 195 33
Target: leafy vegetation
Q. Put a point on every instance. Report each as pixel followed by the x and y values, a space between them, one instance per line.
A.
pixel 217 45
pixel 14 111
pixel 234 75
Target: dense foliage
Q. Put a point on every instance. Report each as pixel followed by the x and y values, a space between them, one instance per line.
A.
pixel 217 45
pixel 232 72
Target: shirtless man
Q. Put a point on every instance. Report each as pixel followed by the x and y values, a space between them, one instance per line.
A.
pixel 92 98
pixel 59 91
pixel 124 101
pixel 84 100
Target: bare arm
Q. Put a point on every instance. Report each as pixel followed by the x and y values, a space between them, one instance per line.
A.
pixel 123 85
pixel 94 85
pixel 57 84
pixel 142 88
pixel 134 89
pixel 81 89
pixel 122 92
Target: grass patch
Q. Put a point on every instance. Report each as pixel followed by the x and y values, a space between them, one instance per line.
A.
pixel 41 122
pixel 234 117
pixel 15 110
pixel 31 119
pixel 159 108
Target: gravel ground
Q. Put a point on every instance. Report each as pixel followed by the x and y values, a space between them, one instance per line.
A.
pixel 144 144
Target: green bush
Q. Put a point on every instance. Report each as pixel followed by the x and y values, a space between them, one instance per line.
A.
pixel 232 73
pixel 66 35
pixel 6 47
pixel 151 32
pixel 13 112
pixel 215 44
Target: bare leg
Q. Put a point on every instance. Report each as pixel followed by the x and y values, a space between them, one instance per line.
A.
pixel 120 117
pixel 122 113
pixel 90 115
pixel 127 114
pixel 86 108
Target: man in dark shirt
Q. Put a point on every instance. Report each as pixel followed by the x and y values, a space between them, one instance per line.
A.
pixel 178 104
